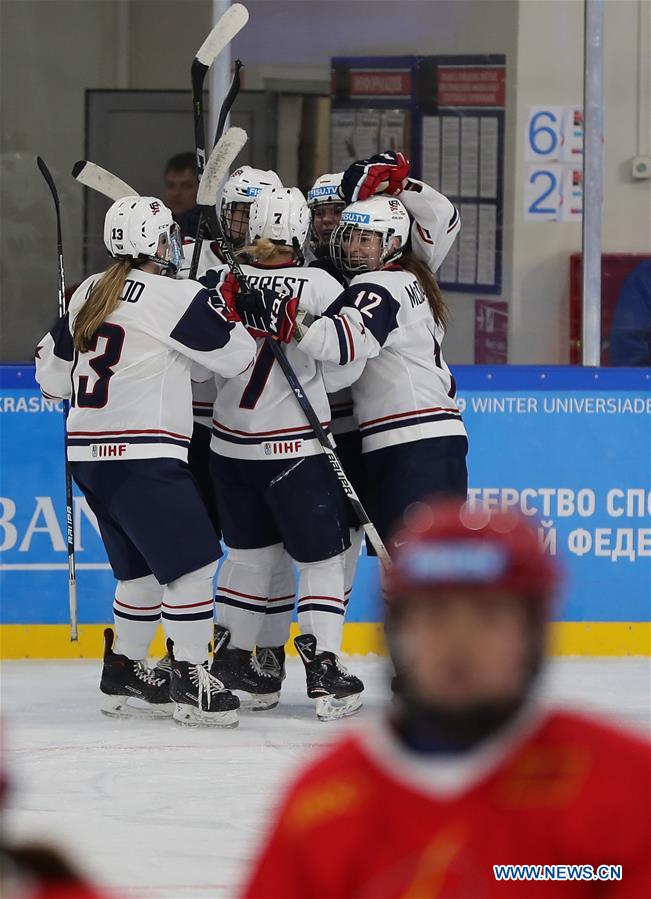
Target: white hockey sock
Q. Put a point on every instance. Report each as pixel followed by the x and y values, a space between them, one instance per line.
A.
pixel 280 607
pixel 321 603
pixel 351 557
pixel 187 611
pixel 136 613
pixel 243 591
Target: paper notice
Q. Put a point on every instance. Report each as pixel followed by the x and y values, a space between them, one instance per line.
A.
pixel 392 130
pixel 491 332
pixel 542 193
pixel 573 135
pixel 469 156
pixel 572 194
pixel 431 151
pixel 367 133
pixel 488 158
pixel 486 243
pixel 467 241
pixel 450 156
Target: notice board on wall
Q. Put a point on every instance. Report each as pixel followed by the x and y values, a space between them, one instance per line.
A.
pixel 448 111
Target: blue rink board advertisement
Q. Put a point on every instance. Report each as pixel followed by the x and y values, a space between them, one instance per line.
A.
pixel 569 447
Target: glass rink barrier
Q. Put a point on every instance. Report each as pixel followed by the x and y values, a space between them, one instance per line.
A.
pixel 568 447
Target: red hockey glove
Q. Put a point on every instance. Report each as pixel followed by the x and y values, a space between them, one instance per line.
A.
pixel 384 173
pixel 282 318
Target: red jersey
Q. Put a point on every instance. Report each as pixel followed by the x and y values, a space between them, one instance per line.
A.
pixel 373 819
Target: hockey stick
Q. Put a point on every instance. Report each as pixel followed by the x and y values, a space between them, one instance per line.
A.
pixel 230 24
pixel 207 189
pixel 70 527
pixel 229 99
pixel 97 178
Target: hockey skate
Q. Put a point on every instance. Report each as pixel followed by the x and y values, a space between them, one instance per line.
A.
pixel 272 660
pixel 239 669
pixel 132 690
pixel 336 690
pixel 163 667
pixel 200 699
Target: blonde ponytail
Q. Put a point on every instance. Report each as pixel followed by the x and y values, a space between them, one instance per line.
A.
pixel 264 249
pixel 102 300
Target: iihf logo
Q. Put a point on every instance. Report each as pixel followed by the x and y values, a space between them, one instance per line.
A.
pixel 267 449
pixel 155 207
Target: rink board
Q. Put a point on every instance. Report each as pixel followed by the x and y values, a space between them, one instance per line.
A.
pixel 570 446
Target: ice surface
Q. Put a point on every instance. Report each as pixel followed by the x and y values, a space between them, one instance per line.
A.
pixel 156 810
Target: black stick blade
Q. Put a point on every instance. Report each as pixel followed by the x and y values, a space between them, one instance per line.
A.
pixel 44 170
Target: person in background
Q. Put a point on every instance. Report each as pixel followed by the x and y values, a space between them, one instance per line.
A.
pixel 630 338
pixel 181 185
pixel 466 773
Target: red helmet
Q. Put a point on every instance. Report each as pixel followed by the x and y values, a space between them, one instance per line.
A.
pixel 448 545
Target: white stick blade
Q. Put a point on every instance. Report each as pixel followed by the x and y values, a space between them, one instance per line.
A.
pixel 217 167
pixel 97 178
pixel 230 24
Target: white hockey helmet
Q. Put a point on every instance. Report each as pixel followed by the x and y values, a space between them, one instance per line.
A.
pixel 281 215
pixel 325 206
pixel 351 246
pixel 239 192
pixel 133 229
pixel 325 190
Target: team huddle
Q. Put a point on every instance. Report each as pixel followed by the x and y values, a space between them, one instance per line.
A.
pixel 183 428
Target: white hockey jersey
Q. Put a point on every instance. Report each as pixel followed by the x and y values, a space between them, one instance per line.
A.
pixel 435 225
pixel 130 395
pixel 256 415
pixel 208 258
pixel 404 390
pixel 434 228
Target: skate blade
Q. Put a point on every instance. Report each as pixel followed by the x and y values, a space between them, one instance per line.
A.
pixel 259 702
pixel 329 708
pixel 119 707
pixel 191 716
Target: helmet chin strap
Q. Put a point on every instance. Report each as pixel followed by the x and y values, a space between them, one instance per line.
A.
pixel 397 253
pixel 300 258
pixel 166 266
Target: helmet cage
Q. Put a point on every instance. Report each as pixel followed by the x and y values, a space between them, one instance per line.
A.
pixel 235 222
pixel 344 251
pixel 320 246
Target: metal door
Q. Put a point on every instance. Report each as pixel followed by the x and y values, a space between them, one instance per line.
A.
pixel 133 133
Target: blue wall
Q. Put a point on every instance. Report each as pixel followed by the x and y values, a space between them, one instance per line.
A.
pixel 572 445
